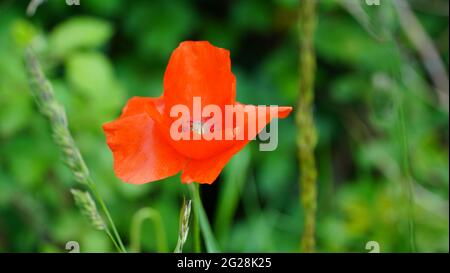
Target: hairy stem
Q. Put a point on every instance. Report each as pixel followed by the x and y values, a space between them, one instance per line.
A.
pixel 307 135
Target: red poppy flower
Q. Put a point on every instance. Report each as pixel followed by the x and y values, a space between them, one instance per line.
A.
pixel 144 149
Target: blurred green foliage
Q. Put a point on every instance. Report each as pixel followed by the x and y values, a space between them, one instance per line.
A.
pixel 383 132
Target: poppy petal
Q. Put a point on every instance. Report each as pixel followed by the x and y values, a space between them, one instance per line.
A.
pixel 199 69
pixel 140 152
pixel 207 170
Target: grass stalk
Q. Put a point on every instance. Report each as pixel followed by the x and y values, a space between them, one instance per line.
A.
pixel 44 96
pixel 185 214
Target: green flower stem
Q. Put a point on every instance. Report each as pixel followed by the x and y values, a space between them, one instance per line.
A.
pixel 139 217
pixel 307 135
pixel 44 96
pixel 210 241
pixel 197 240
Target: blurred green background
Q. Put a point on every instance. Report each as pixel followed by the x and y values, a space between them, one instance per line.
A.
pixel 383 128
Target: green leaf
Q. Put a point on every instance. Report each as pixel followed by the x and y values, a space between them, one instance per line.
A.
pixel 91 76
pixel 23 32
pixel 80 32
pixel 90 73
